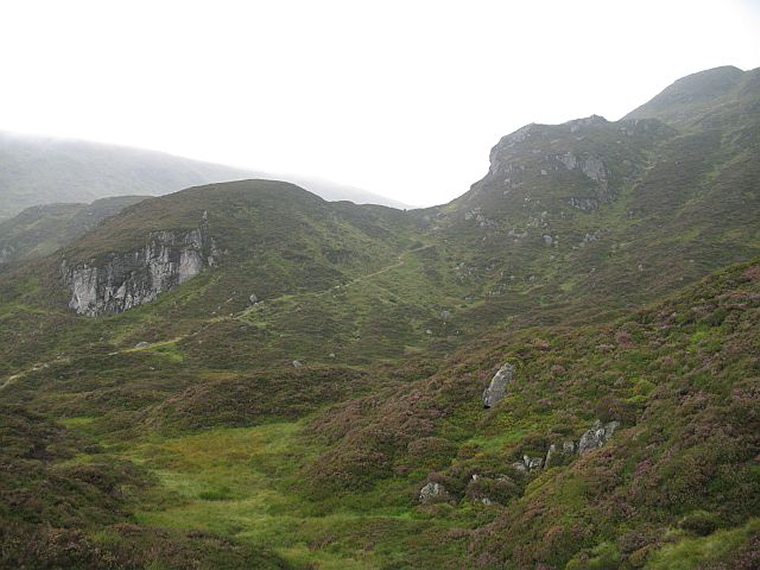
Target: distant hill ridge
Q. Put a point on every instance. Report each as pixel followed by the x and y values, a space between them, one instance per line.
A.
pixel 38 170
pixel 40 230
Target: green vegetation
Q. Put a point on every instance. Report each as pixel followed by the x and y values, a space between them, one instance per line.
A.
pixel 41 230
pixel 285 408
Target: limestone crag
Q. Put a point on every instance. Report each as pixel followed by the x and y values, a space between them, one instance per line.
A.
pixel 125 280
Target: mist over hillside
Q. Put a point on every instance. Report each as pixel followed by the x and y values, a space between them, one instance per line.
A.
pixel 37 170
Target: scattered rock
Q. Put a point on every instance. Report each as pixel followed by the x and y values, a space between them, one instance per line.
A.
pixel 609 429
pixel 583 203
pixel 592 439
pixel 596 437
pixel 142 344
pixel 433 492
pixel 297 364
pixel 253 299
pixel 533 462
pixel 498 386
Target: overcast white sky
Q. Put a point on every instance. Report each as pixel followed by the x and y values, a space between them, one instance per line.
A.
pixel 402 98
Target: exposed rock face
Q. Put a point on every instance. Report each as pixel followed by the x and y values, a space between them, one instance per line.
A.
pixel 528 463
pixel 590 165
pixel 6 253
pixel 592 439
pixel 585 204
pixel 498 386
pixel 533 462
pixel 596 437
pixel 126 280
pixel 433 492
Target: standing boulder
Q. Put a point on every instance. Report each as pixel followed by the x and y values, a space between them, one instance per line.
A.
pixel 498 387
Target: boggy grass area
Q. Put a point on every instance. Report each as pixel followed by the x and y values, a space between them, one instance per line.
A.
pixel 243 482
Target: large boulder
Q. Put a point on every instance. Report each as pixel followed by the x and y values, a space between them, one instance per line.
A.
pixel 498 385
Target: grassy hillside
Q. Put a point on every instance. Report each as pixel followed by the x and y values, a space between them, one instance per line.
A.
pixel 325 465
pixel 592 213
pixel 41 230
pixel 313 397
pixel 699 98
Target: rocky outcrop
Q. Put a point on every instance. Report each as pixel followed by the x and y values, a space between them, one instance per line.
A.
pixel 593 438
pixel 6 253
pixel 597 436
pixel 529 463
pixel 498 386
pixel 590 165
pixel 122 281
pixel 432 493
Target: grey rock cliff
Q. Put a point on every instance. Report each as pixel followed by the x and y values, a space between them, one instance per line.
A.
pixel 125 280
